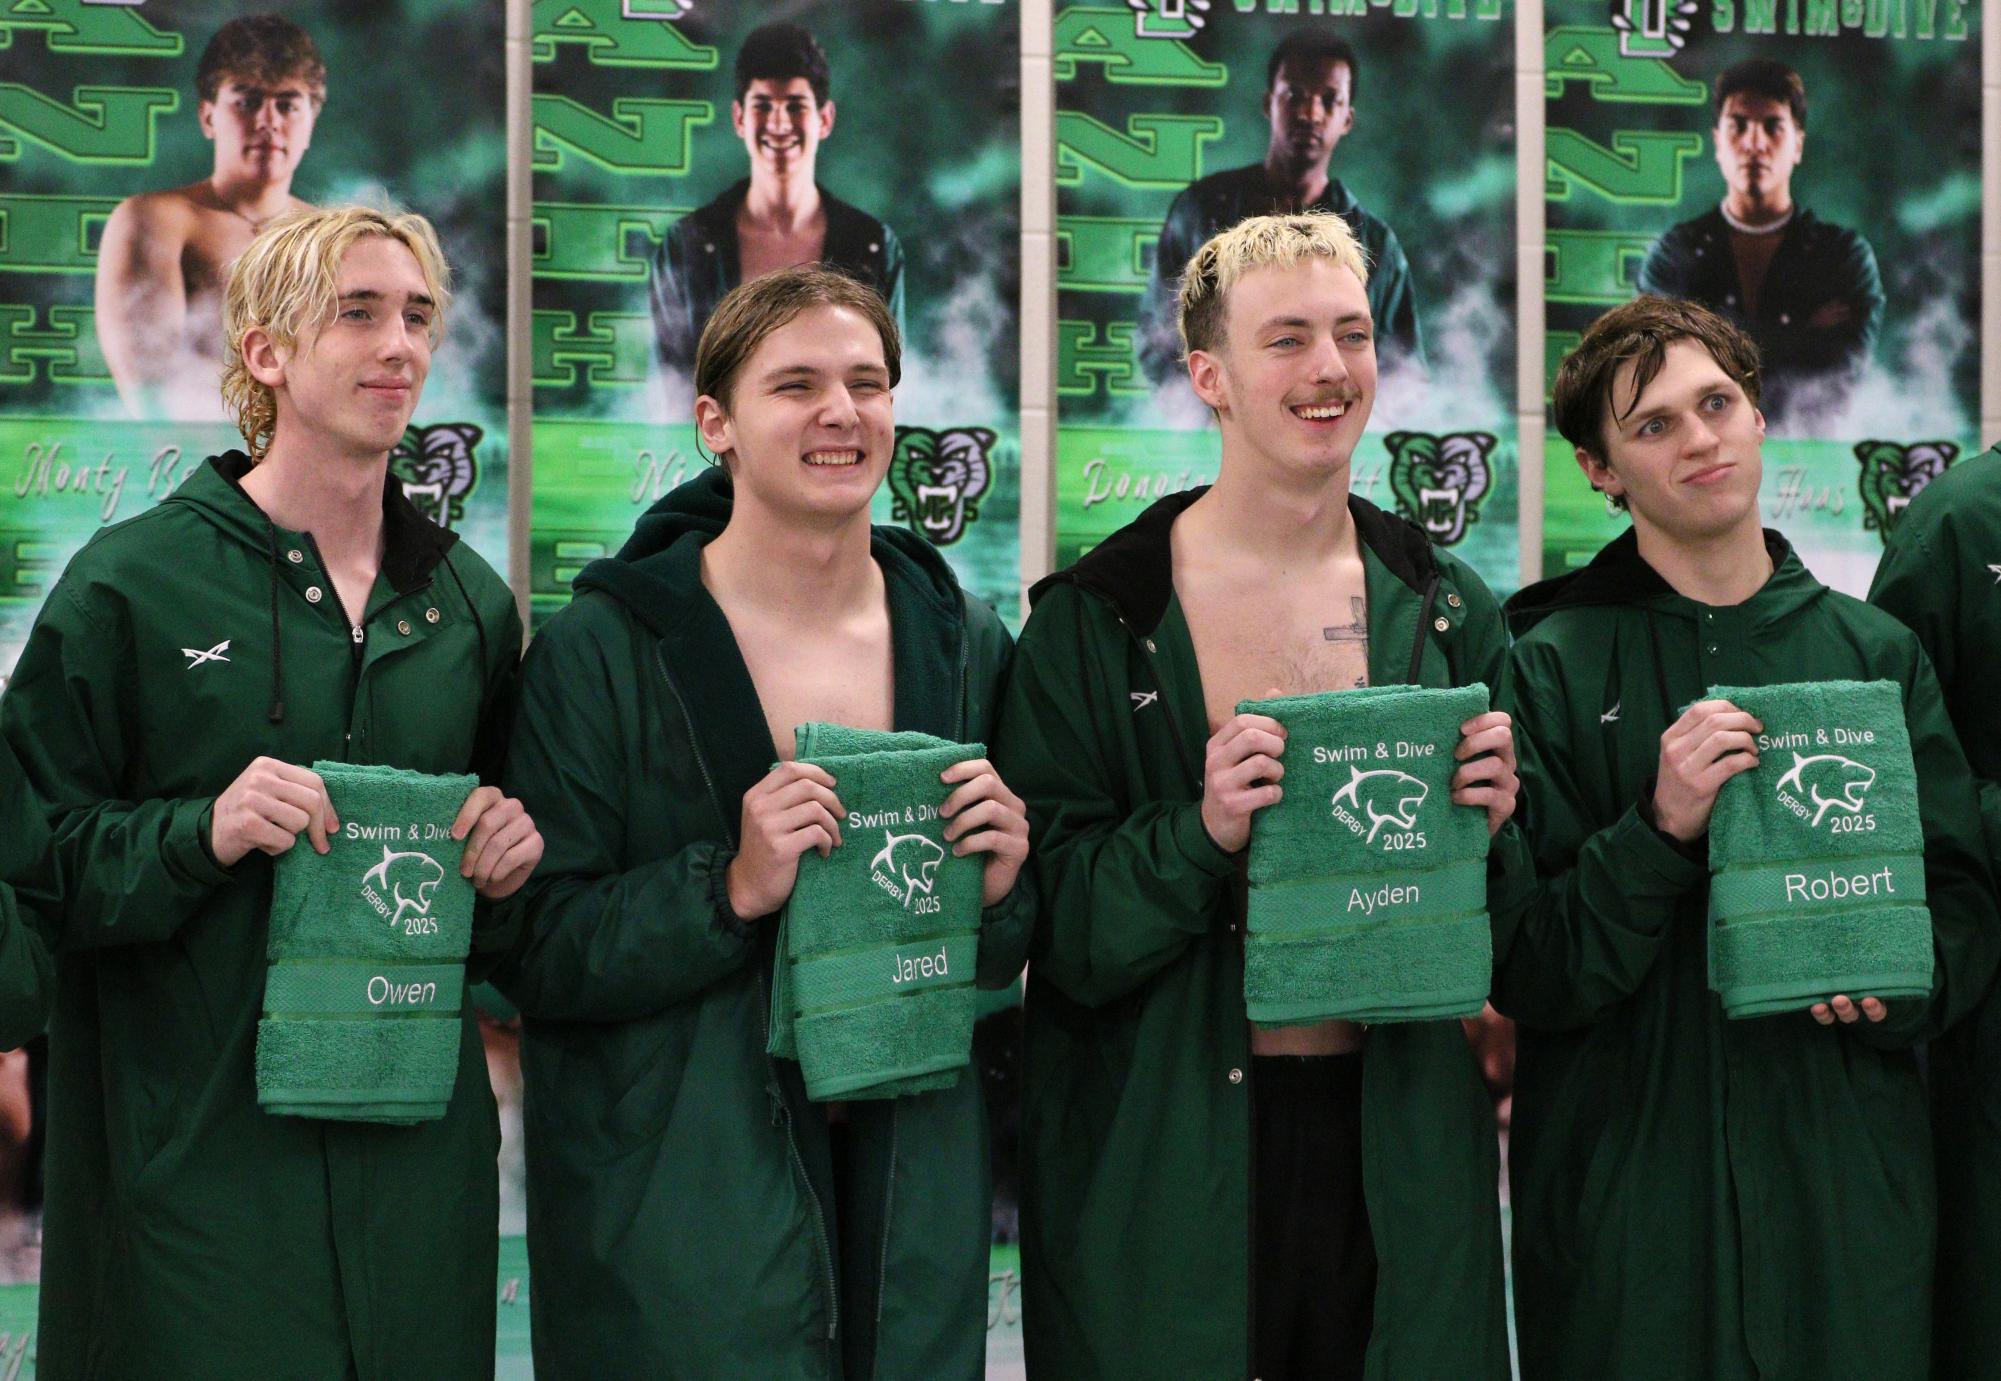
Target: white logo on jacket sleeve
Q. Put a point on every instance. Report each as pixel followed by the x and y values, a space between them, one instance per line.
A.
pixel 1611 716
pixel 1141 699
pixel 214 654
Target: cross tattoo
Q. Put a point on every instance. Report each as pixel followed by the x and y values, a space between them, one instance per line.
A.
pixel 1355 631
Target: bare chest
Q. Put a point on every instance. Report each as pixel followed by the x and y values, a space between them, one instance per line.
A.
pixel 1754 255
pixel 820 676
pixel 1297 643
pixel 764 251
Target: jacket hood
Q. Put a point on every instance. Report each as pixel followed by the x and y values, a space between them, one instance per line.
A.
pixel 645 577
pixel 1133 569
pixel 1618 574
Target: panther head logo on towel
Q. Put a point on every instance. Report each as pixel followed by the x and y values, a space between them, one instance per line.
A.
pixel 1403 793
pixel 409 879
pixel 1846 780
pixel 912 857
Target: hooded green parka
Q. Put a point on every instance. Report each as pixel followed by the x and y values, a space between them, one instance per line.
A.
pixel 1693 1196
pixel 1939 576
pixel 681 1209
pixel 1136 1103
pixel 189 1233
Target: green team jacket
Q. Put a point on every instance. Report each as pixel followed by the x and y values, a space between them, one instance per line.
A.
pixel 27 910
pixel 1136 1102
pixel 1698 1197
pixel 681 1210
pixel 189 1233
pixel 1939 578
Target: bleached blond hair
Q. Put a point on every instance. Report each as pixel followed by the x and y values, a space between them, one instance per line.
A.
pixel 1257 243
pixel 288 280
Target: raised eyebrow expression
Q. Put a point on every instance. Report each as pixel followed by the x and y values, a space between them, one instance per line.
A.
pixel 1714 388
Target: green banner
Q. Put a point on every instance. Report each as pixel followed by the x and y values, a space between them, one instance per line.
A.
pixel 1175 120
pixel 131 139
pixel 1853 260
pixel 651 177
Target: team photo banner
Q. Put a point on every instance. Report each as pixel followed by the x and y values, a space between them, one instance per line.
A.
pixel 679 148
pixel 1174 122
pixel 1809 169
pixel 141 147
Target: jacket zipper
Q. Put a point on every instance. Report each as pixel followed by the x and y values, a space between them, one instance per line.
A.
pixel 783 1112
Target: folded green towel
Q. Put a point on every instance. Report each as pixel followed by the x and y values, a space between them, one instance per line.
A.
pixel 368 947
pixel 1817 854
pixel 1368 887
pixel 877 948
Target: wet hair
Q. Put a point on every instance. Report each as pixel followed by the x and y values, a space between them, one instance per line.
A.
pixel 1255 243
pixel 780 52
pixel 264 49
pixel 287 282
pixel 1765 77
pixel 1640 332
pixel 751 311
pixel 1310 48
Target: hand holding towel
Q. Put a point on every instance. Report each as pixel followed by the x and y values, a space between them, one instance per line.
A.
pixel 367 954
pixel 1368 886
pixel 873 980
pixel 1817 854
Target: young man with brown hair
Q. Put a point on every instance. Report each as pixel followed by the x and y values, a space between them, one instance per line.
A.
pixel 1744 1200
pixel 281 607
pixel 1201 1198
pixel 690 1211
pixel 165 256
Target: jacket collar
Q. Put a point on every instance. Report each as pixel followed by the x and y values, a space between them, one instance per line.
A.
pixel 1619 575
pixel 412 545
pixel 853 236
pixel 1133 569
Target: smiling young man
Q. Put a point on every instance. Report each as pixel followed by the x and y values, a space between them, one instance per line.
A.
pixel 280 607
pixel 165 256
pixel 1696 1196
pixel 1201 1198
pixel 690 1212
pixel 780 215
pixel 1807 291
pixel 1312 81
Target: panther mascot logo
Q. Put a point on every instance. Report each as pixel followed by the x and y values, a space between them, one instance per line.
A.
pixel 912 857
pixel 438 467
pixel 1401 791
pixel 1894 474
pixel 1439 481
pixel 936 479
pixel 404 881
pixel 1850 779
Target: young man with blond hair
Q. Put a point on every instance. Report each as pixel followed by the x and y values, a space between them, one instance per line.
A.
pixel 1201 1198
pixel 690 1211
pixel 1744 1200
pixel 165 256
pixel 282 606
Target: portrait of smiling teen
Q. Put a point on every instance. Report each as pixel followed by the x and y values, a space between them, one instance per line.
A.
pixel 280 607
pixel 1694 1195
pixel 690 1211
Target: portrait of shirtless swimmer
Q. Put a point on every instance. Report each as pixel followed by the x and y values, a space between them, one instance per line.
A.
pixel 165 255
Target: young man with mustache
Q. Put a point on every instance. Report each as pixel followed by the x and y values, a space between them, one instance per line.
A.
pixel 1807 291
pixel 1746 1200
pixel 1201 1198
pixel 280 607
pixel 780 215
pixel 165 256
pixel 1312 84
pixel 690 1211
